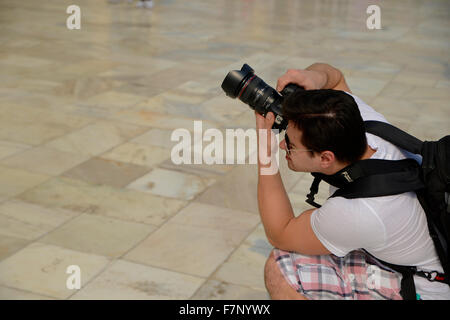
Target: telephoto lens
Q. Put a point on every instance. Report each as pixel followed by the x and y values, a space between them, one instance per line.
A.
pixel 252 90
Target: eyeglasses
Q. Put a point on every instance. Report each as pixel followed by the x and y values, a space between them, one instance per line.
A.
pixel 288 142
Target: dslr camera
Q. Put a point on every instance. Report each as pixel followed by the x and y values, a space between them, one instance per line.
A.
pixel 252 90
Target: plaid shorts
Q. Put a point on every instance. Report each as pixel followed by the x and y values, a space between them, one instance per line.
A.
pixel 357 276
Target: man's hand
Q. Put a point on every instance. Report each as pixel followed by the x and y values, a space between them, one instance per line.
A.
pixel 264 123
pixel 267 142
pixel 316 76
pixel 308 79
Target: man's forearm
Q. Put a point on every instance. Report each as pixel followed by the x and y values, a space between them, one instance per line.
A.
pixel 274 205
pixel 333 75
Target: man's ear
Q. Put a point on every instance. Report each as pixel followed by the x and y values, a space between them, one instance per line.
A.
pixel 327 158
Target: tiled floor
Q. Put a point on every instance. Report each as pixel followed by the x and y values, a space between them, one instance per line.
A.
pixel 86 176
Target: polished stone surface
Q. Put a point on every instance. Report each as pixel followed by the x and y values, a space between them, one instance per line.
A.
pixel 195 241
pixel 86 118
pixel 130 281
pixel 99 235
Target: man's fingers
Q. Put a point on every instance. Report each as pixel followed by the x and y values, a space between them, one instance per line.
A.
pixel 281 83
pixel 270 119
pixel 291 76
pixel 265 122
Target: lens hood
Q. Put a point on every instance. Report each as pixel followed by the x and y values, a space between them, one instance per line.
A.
pixel 235 79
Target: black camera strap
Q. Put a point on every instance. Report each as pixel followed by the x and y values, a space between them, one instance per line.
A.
pixel 370 178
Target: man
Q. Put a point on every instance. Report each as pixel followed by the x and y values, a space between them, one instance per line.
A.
pixel 318 254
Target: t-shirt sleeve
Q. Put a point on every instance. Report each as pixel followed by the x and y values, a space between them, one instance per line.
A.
pixel 367 112
pixel 343 226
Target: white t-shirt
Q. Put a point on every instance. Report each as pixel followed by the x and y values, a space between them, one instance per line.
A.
pixel 391 228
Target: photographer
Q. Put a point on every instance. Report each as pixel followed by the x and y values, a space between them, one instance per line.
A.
pixel 318 254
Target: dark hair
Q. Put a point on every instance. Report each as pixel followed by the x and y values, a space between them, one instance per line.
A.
pixel 329 120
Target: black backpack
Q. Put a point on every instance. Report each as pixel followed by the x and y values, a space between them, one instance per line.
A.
pixel 430 181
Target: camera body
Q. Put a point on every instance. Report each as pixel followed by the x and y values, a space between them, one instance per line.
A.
pixel 252 90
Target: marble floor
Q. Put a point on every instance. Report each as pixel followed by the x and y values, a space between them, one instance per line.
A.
pixel 86 176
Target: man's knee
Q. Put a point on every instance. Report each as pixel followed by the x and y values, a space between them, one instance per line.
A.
pixel 272 274
pixel 276 284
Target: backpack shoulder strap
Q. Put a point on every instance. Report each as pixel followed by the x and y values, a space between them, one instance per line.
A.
pixel 370 178
pixel 394 135
pixel 405 178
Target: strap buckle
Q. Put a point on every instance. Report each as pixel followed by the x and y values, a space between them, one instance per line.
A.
pixel 432 275
pixel 313 191
pixel 312 202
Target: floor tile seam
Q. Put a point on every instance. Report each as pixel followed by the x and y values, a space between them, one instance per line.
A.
pixel 43 144
pixel 122 256
pixel 226 283
pixel 77 214
pixel 50 207
pixel 196 199
pixel 11 166
pixel 187 170
pixel 129 260
pixel 150 167
pixel 62 247
pixel 111 118
pixel 211 275
pixel 199 195
pixel 110 262
pixel 35 240
pixel 17 197
pixel 92 121
pixel 102 216
pixel 169 221
pixel 22 148
pixel 100 155
pixel 215 228
pixel 13 252
pixel 61 175
pixel 386 85
pixel 28 291
pixel 79 103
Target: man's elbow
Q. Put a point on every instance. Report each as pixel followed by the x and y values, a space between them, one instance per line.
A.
pixel 278 242
pixel 272 243
pixel 274 240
